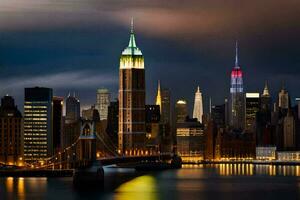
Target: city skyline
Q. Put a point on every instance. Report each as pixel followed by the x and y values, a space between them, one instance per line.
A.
pixel 55 59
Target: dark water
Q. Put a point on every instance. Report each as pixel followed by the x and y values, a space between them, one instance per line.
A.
pixel 226 181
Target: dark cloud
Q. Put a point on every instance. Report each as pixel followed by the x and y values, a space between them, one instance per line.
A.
pixel 192 40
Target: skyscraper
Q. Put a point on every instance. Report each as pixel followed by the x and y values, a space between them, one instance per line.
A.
pixel 163 100
pixel 131 98
pixel 252 107
pixel 198 106
pixel 289 137
pixel 11 135
pixel 266 99
pixel 237 112
pixel 38 132
pixel 103 100
pixel 72 109
pixel 58 103
pixel 181 111
pixel 283 99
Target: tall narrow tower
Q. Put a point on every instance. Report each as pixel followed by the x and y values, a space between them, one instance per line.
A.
pixel 198 106
pixel 158 97
pixel 237 112
pixel 131 99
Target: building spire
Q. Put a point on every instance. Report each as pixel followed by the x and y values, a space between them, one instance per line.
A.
pixel 266 90
pixel 132 43
pixel 132 26
pixel 236 54
pixel 158 97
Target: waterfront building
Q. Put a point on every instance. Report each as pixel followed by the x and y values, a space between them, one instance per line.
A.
pixel 58 103
pixel 237 105
pixel 288 156
pixel 266 153
pixel 132 133
pixel 232 145
pixel 190 140
pixel 252 107
pixel 103 101
pixel 11 134
pixel 38 129
pixel 198 105
pixel 181 110
pixel 72 109
pixel 152 127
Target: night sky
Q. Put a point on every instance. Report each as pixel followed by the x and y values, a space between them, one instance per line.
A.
pixel 75 45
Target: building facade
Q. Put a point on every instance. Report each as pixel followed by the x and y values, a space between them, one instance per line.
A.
pixel 181 111
pixel 72 109
pixel 38 130
pixel 252 107
pixel 103 101
pixel 11 134
pixel 58 104
pixel 198 106
pixel 237 111
pixel 132 132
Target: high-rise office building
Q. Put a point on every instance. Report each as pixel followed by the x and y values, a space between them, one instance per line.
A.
pixel 132 132
pixel 218 115
pixel 11 135
pixel 91 114
pixel 181 110
pixel 58 103
pixel 163 100
pixel 289 137
pixel 113 121
pixel 198 106
pixel 38 132
pixel 237 112
pixel 103 100
pixel 252 107
pixel 72 109
pixel 283 99
pixel 265 100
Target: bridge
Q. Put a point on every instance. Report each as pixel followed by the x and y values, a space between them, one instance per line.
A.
pixel 87 163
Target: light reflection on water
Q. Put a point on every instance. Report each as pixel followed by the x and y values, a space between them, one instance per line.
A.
pixel 143 188
pixel 188 183
pixel 250 169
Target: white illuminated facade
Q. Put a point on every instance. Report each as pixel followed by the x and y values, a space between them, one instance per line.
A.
pixel 265 153
pixel 198 106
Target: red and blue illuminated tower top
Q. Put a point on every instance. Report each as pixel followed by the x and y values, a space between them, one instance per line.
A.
pixel 236 75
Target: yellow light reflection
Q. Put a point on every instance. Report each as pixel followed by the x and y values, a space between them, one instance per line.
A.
pixel 21 189
pixel 10 184
pixel 143 187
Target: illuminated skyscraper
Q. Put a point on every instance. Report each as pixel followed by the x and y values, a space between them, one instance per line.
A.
pixel 103 100
pixel 38 115
pixel 163 100
pixel 237 112
pixel 72 109
pixel 11 134
pixel 252 107
pixel 132 132
pixel 181 111
pixel 198 106
pixel 283 99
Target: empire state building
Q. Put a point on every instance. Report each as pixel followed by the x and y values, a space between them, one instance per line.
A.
pixel 132 133
pixel 237 112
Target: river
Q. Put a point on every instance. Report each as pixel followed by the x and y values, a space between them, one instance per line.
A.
pixel 222 181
